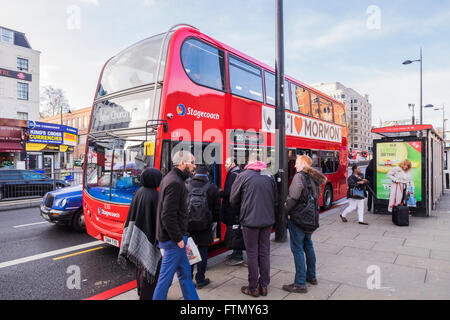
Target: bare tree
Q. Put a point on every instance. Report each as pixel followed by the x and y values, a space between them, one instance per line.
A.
pixel 52 99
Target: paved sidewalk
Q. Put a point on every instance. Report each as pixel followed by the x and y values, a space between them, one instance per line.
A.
pixel 413 262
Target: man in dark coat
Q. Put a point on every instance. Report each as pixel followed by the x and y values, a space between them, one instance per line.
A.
pixel 171 228
pixel 230 216
pixel 254 193
pixel 369 178
pixel 301 242
pixel 138 243
pixel 204 238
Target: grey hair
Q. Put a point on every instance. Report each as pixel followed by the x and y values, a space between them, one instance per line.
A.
pixel 253 157
pixel 181 156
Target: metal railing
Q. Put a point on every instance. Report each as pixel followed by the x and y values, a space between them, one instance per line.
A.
pixel 25 184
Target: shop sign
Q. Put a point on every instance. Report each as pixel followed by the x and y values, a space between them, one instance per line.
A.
pixel 10 134
pixel 45 136
pixel 15 74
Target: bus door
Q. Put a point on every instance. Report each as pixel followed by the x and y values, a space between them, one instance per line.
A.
pixel 210 154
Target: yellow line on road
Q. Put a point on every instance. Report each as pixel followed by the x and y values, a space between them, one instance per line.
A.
pixel 77 253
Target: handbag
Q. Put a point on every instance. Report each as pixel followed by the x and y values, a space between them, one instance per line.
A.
pixel 234 239
pixel 356 193
pixel 412 202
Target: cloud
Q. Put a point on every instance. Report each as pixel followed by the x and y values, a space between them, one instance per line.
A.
pixel 391 94
pixel 91 2
pixel 149 3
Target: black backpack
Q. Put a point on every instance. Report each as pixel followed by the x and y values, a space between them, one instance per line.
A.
pixel 306 213
pixel 200 217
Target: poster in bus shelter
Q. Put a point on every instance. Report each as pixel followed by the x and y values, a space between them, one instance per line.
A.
pixel 389 155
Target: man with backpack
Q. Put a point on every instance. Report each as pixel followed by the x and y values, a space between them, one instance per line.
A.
pixel 302 208
pixel 203 210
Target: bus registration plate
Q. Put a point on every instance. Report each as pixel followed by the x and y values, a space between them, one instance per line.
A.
pixel 111 241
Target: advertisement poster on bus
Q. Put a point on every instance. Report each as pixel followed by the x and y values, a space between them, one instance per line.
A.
pixel 389 155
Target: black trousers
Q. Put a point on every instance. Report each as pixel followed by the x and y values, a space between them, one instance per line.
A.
pixel 370 197
pixel 201 266
pixel 145 289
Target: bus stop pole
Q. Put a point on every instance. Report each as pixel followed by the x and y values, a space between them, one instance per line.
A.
pixel 280 126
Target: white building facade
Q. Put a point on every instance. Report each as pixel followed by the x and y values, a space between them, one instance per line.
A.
pixel 19 76
pixel 359 114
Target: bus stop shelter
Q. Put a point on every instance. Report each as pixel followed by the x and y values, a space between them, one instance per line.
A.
pixel 424 147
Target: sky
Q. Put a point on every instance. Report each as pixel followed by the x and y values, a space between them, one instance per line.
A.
pixel 359 43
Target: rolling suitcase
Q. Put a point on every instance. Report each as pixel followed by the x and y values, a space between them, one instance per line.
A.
pixel 400 213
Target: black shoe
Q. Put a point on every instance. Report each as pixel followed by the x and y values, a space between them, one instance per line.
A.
pixel 364 223
pixel 312 281
pixel 203 283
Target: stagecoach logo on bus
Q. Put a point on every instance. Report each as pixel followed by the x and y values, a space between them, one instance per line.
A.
pixel 300 126
pixel 107 213
pixel 182 110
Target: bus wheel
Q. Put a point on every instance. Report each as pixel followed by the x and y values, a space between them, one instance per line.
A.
pixel 327 197
pixel 78 221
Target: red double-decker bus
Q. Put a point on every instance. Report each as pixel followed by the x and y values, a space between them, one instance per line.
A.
pixel 184 89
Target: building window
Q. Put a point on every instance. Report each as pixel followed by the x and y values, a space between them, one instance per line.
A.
pixel 85 122
pixel 22 91
pixel 7 36
pixel 79 123
pixel 22 64
pixel 22 115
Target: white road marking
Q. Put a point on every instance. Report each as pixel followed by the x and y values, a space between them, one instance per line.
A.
pixel 49 254
pixel 30 224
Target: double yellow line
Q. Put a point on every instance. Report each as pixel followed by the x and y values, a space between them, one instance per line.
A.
pixel 77 253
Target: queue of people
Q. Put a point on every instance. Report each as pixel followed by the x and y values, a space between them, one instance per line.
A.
pixel 158 224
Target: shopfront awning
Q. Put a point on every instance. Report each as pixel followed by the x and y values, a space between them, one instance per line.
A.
pixel 10 147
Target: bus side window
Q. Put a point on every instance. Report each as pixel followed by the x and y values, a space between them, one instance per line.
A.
pixel 315 106
pixel 336 161
pixel 315 159
pixel 327 161
pixel 292 157
pixel 245 79
pixel 302 152
pixel 204 64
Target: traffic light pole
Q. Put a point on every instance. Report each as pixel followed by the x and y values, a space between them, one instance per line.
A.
pixel 280 126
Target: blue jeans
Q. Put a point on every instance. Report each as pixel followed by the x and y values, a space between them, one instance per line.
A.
pixel 302 245
pixel 175 260
pixel 237 255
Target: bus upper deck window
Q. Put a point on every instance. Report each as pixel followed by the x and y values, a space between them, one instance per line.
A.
pixel 204 64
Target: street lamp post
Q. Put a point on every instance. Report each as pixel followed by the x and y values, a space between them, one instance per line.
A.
pixel 411 106
pixel 419 60
pixel 280 124
pixel 443 116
